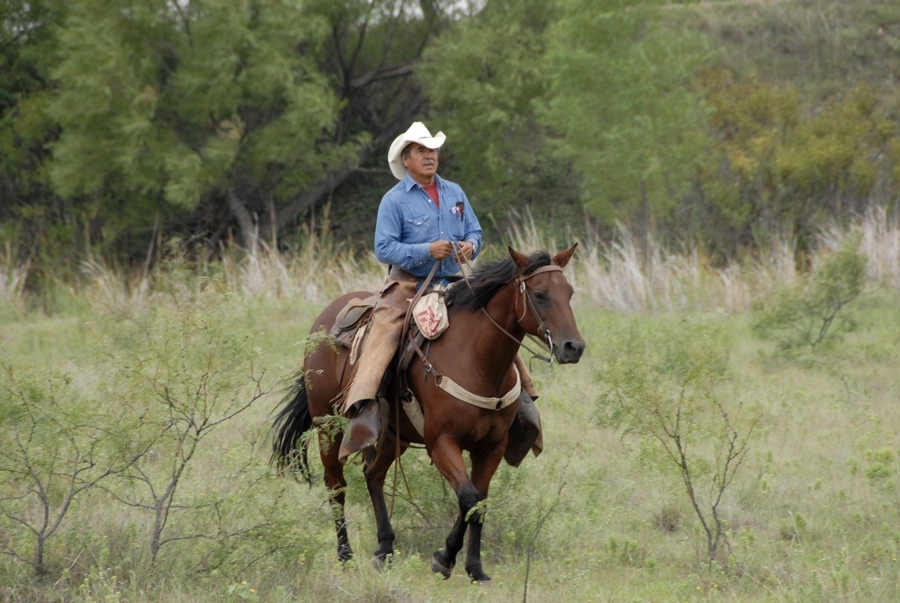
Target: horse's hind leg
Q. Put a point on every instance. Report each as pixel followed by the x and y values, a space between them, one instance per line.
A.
pixel 337 488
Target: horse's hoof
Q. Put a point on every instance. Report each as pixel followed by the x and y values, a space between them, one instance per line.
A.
pixel 381 562
pixel 439 568
pixel 345 555
pixel 479 578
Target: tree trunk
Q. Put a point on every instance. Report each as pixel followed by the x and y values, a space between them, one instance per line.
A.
pixel 246 222
pixel 320 189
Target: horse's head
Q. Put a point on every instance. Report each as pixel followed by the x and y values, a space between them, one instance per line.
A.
pixel 543 308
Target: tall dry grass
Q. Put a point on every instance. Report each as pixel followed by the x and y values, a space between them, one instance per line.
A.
pixel 628 275
pixel 625 274
pixel 13 275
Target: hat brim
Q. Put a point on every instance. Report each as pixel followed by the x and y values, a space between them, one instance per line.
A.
pixel 395 161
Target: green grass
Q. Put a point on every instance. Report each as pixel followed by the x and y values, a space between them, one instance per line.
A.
pixel 601 515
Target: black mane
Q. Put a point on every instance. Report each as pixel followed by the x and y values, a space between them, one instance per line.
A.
pixel 488 279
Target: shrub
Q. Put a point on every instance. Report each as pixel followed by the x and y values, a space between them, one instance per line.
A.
pixel 666 388
pixel 811 313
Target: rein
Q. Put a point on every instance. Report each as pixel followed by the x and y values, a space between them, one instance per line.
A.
pixel 492 403
pixel 527 304
pixel 404 333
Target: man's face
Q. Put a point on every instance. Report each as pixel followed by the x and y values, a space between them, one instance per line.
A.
pixel 422 162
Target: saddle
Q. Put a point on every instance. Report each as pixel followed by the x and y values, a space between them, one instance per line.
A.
pixel 427 321
pixel 429 315
pixel 349 327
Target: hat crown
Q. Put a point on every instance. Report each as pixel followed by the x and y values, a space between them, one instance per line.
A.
pixel 418 130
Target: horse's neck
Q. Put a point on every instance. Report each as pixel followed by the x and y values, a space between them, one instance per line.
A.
pixel 497 331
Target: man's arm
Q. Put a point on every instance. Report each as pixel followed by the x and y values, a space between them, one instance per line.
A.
pixel 388 247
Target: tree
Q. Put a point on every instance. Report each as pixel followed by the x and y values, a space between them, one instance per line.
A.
pixel 24 34
pixel 621 101
pixel 811 312
pixel 371 58
pixel 484 79
pixel 190 379
pixel 165 106
pixel 228 112
pixel 666 388
pixel 55 446
pixel 788 163
pixel 30 215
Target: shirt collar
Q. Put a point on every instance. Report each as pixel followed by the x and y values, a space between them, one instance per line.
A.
pixel 409 183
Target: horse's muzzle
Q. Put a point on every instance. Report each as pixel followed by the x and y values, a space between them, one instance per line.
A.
pixel 568 352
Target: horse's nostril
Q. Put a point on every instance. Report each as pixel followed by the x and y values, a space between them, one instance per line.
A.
pixel 571 351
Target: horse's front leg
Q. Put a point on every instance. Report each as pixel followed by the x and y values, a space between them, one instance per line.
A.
pixel 484 465
pixel 447 457
pixel 376 473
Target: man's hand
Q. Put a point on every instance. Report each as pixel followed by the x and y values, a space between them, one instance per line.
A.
pixel 440 250
pixel 464 252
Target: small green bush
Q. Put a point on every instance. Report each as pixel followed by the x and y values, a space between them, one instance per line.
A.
pixel 666 388
pixel 813 312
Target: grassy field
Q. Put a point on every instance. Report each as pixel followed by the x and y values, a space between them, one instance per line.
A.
pixel 134 447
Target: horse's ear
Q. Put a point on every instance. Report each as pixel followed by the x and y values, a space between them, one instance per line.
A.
pixel 562 258
pixel 520 259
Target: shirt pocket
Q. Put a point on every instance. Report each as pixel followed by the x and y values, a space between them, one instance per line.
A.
pixel 454 215
pixel 417 230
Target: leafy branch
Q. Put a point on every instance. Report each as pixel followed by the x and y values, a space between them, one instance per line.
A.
pixel 191 379
pixel 55 449
pixel 665 388
pixel 812 312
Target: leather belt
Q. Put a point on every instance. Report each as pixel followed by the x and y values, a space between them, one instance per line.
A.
pixel 399 274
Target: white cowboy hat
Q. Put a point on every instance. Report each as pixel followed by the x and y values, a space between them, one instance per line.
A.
pixel 416 133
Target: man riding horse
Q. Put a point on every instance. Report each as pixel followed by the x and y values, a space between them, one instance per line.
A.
pixel 423 219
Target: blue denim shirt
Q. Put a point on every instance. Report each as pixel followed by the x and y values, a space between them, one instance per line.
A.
pixel 408 222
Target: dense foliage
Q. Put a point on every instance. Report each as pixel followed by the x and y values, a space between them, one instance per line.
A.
pixel 718 123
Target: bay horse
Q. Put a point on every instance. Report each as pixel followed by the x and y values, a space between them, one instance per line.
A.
pixel 490 313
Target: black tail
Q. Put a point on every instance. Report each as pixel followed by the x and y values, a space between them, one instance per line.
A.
pixel 289 447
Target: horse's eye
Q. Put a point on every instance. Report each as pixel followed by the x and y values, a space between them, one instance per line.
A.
pixel 540 296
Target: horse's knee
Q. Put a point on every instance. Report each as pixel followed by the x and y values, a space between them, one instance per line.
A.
pixel 386 535
pixel 468 499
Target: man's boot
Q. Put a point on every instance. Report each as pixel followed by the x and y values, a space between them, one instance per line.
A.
pixel 364 428
pixel 525 432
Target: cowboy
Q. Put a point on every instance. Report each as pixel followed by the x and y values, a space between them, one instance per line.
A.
pixel 423 219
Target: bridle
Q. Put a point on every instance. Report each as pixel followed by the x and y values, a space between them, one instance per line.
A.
pixel 528 300
pixel 527 304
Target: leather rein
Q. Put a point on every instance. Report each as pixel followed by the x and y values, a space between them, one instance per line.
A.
pixel 528 304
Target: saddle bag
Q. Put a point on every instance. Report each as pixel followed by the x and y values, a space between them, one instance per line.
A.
pixel 430 314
